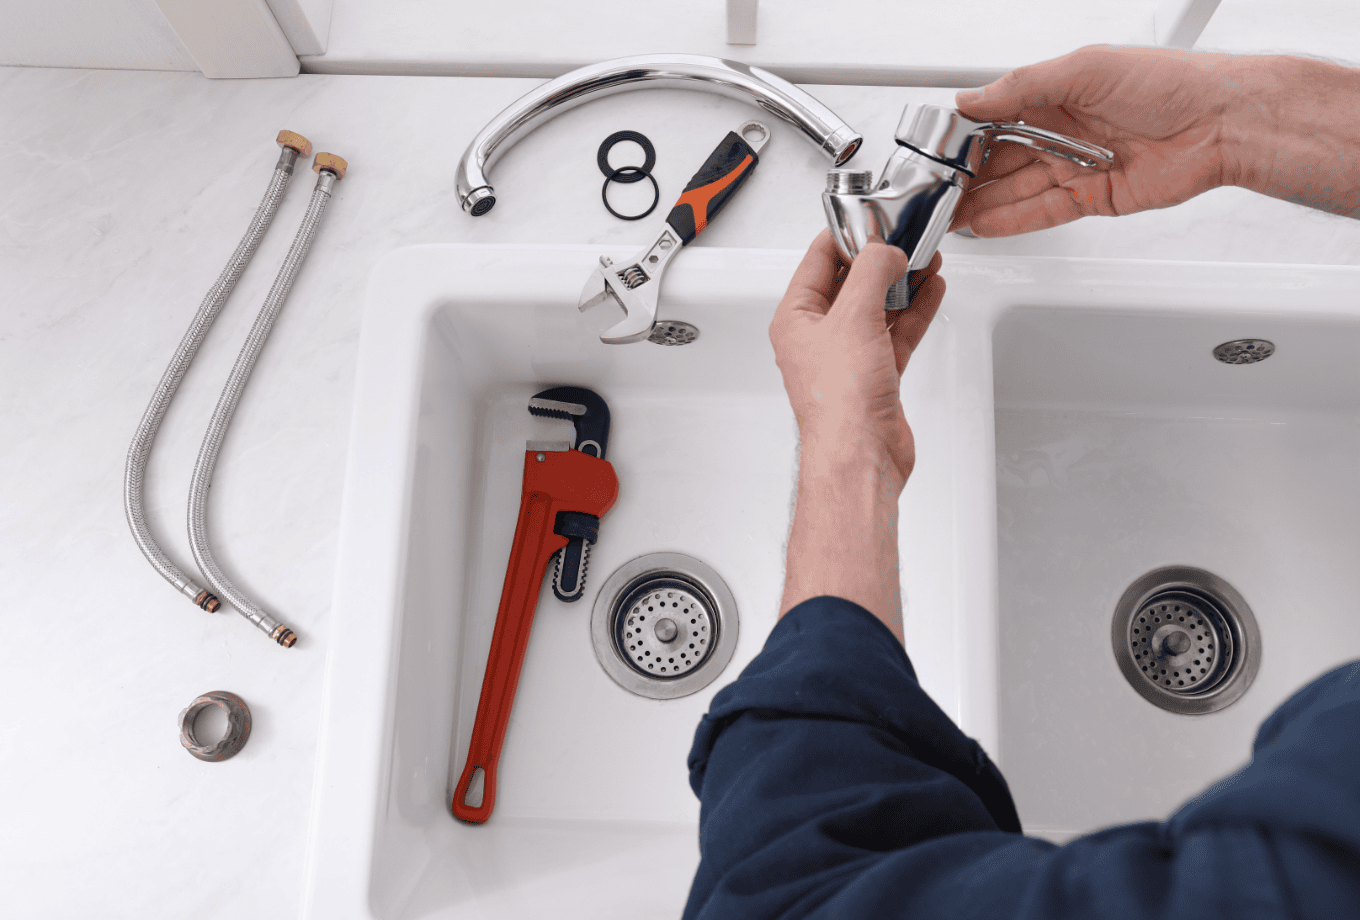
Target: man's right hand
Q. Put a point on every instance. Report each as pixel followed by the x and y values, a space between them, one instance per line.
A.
pixel 1179 123
pixel 1162 112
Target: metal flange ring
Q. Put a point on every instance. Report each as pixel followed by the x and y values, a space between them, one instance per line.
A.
pixel 238 726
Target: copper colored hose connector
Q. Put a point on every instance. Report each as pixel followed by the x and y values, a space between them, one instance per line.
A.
pixel 207 601
pixel 283 636
pixel 331 163
pixel 295 141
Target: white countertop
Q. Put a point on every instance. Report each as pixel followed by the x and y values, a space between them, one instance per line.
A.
pixel 124 194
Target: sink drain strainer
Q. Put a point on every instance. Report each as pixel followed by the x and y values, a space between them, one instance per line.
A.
pixel 673 332
pixel 664 626
pixel 1244 351
pixel 1186 640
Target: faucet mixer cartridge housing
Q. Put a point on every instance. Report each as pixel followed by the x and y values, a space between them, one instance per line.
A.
pixel 913 202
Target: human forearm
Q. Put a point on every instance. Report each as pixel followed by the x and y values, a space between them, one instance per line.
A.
pixel 844 537
pixel 842 359
pixel 1293 131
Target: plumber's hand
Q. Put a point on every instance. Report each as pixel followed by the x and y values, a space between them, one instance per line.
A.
pixel 842 355
pixel 1164 113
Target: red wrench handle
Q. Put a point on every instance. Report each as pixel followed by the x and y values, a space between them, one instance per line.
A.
pixel 561 481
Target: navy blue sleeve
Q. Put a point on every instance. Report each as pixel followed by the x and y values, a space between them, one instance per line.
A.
pixel 831 785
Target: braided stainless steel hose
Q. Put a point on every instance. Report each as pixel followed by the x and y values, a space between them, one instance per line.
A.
pixel 329 169
pixel 294 145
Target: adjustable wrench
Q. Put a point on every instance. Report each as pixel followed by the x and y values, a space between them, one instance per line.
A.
pixel 634 285
pixel 567 489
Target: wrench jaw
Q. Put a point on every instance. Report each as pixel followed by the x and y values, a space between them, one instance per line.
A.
pixel 635 327
pixel 589 415
pixel 638 305
pixel 587 412
pixel 634 286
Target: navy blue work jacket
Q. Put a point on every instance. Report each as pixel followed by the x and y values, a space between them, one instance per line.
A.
pixel 831 785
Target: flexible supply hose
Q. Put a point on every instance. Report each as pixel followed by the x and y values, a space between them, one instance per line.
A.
pixel 293 145
pixel 329 169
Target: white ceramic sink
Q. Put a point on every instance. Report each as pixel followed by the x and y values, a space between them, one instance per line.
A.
pixel 594 817
pixel 1123 446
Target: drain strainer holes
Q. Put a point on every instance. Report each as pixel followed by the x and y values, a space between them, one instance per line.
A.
pixel 1186 640
pixel 664 625
pixel 673 332
pixel 1244 351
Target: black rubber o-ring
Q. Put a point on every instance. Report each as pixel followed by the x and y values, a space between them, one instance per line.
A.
pixel 648 154
pixel 643 174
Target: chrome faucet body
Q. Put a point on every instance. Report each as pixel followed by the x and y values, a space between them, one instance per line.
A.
pixel 683 71
pixel 938 152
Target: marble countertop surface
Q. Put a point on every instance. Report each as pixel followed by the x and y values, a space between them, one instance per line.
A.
pixel 123 195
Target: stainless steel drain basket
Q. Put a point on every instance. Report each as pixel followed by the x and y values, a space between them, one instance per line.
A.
pixel 1186 640
pixel 664 626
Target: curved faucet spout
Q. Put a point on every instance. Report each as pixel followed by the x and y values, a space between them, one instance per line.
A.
pixel 683 71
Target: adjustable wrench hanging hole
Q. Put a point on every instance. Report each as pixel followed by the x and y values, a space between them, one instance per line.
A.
pixel 754 133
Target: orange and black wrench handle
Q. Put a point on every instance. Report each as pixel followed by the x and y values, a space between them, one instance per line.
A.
pixel 555 481
pixel 725 170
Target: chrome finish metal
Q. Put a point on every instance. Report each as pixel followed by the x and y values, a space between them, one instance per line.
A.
pixel 943 134
pixel 226 408
pixel 899 295
pixel 678 71
pixel 634 285
pixel 1244 351
pixel 913 202
pixel 755 134
pixel 549 446
pixel 140 450
pixel 844 181
pixel 1186 640
pixel 664 626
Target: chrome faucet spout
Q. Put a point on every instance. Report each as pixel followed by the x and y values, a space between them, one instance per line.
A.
pixel 683 71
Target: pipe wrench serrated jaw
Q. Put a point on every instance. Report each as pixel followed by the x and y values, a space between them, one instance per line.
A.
pixel 586 411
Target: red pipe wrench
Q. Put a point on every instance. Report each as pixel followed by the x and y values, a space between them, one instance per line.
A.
pixel 567 489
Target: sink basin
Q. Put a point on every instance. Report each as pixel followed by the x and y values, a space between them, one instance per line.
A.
pixel 594 816
pixel 1073 433
pixel 1123 446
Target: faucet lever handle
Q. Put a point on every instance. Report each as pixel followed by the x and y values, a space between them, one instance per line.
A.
pixel 1091 156
pixel 951 138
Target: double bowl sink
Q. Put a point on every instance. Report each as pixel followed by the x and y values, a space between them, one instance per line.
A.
pixel 1074 432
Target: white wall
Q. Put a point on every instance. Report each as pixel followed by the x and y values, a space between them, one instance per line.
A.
pixel 861 41
pixel 114 34
pixel 1321 28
